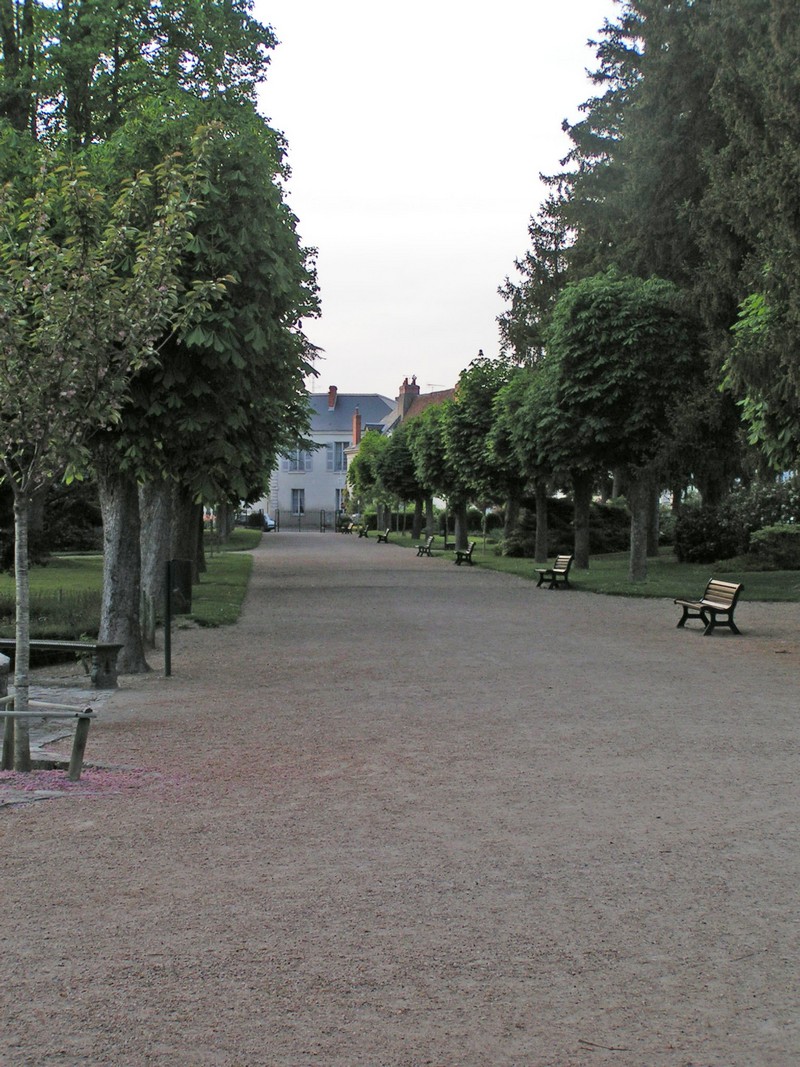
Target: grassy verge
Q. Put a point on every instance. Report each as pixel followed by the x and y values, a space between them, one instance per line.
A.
pixel 666 577
pixel 217 599
pixel 65 594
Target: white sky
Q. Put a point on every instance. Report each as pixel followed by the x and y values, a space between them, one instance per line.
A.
pixel 417 133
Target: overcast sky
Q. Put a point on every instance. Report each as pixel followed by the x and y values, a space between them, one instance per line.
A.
pixel 417 133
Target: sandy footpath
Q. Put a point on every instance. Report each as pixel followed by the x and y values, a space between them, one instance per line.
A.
pixel 412 814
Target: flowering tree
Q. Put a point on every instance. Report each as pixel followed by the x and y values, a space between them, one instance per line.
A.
pixel 87 286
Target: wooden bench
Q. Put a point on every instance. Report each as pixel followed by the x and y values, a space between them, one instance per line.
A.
pixel 425 548
pixel 98 657
pixel 363 530
pixel 718 599
pixel 557 574
pixel 464 555
pixel 384 536
pixel 84 718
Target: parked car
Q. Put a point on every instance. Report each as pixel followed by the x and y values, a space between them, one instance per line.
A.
pixel 269 524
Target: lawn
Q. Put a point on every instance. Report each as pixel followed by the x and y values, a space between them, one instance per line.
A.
pixel 65 594
pixel 665 576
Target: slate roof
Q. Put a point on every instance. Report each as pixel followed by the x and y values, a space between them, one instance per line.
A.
pixel 372 407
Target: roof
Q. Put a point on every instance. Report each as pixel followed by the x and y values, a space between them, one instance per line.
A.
pixel 418 404
pixel 372 407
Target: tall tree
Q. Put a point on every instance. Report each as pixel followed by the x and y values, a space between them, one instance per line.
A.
pixel 625 354
pixel 88 286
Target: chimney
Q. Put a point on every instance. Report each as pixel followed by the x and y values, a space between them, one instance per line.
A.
pixel 407 393
pixel 356 427
pixel 332 397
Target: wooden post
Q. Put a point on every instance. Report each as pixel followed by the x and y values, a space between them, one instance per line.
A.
pixel 8 745
pixel 79 744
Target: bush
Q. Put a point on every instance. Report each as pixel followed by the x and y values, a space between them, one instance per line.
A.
pixel 704 535
pixel 609 529
pixel 777 547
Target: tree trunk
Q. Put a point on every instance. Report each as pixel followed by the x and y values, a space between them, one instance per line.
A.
pixel 639 492
pixel 224 522
pixel 511 520
pixel 542 533
pixel 460 517
pixel 155 508
pixel 653 519
pixel 582 501
pixel 429 517
pixel 185 542
pixel 22 652
pixel 416 528
pixel 119 613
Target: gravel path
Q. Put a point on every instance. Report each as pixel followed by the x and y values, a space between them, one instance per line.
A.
pixel 411 814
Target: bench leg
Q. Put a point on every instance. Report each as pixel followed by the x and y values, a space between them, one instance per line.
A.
pixel 8 745
pixel 78 748
pixel 104 670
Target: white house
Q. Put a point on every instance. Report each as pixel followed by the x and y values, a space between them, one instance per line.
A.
pixel 308 484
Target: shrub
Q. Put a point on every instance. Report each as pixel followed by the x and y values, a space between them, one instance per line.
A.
pixel 777 547
pixel 704 534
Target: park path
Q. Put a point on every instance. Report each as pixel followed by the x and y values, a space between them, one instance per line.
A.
pixel 412 814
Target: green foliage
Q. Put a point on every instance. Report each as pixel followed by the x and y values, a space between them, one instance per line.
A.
pixel 706 534
pixel 609 528
pixel 777 547
pixel 624 352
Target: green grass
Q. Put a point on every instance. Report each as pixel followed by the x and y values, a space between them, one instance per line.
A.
pixel 66 592
pixel 666 577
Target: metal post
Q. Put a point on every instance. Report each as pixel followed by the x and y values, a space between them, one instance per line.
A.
pixel 168 623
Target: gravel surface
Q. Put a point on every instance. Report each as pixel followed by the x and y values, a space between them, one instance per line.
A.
pixel 412 814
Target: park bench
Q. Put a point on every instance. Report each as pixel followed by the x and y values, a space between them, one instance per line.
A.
pixel 363 530
pixel 558 573
pixel 719 598
pixel 99 658
pixel 425 548
pixel 384 536
pixel 464 555
pixel 42 710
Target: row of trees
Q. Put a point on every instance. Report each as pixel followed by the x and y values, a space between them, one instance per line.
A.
pixel 652 326
pixel 152 282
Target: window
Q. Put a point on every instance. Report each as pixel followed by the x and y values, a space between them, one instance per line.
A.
pixel 337 460
pixel 298 502
pixel 296 462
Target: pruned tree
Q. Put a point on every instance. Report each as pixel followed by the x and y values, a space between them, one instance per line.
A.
pixel 88 286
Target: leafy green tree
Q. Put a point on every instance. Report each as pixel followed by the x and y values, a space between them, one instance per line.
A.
pixel 363 479
pixel 625 351
pixel 80 67
pixel 397 473
pixel 750 214
pixel 489 477
pixel 88 286
pixel 434 465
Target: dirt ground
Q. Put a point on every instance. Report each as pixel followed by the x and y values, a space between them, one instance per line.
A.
pixel 412 814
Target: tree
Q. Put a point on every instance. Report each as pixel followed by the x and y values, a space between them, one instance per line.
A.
pixel 434 465
pixel 79 68
pixel 227 396
pixel 397 474
pixel 750 227
pixel 87 287
pixel 625 352
pixel 490 478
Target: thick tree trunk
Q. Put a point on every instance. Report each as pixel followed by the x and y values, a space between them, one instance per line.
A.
pixel 429 517
pixel 653 519
pixel 582 501
pixel 542 531
pixel 155 509
pixel 186 530
pixel 639 491
pixel 511 520
pixel 22 652
pixel 224 522
pixel 119 614
pixel 416 528
pixel 460 518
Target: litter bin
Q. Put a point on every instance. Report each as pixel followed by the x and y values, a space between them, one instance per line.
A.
pixel 180 585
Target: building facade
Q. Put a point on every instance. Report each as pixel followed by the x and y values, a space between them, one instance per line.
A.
pixel 308 486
